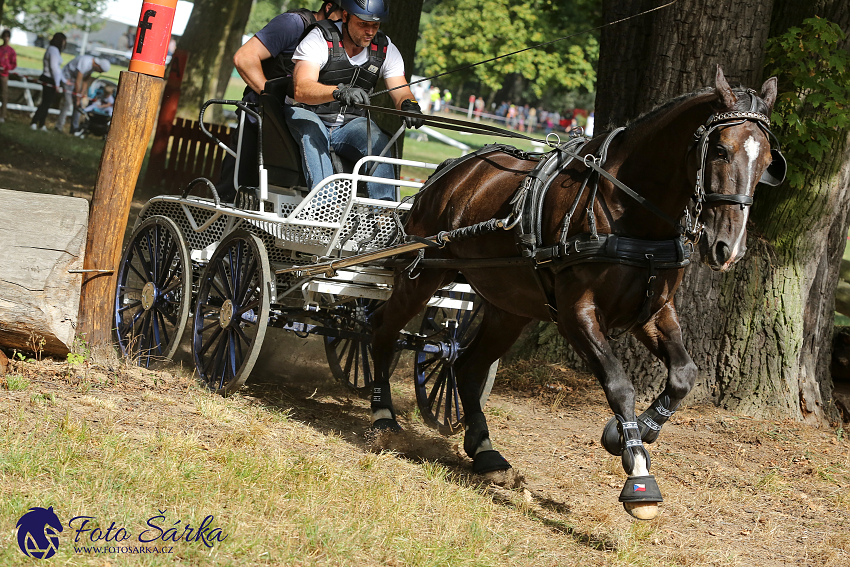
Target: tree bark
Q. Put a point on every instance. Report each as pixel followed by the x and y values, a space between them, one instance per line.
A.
pixel 212 37
pixel 403 30
pixel 652 58
pixel 42 237
pixel 761 333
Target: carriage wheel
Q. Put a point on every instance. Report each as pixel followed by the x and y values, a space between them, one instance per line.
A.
pixel 231 312
pixel 351 360
pixel 434 376
pixel 153 293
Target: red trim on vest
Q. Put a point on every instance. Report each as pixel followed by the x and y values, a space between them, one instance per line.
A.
pixel 330 45
pixel 374 47
pixel 385 49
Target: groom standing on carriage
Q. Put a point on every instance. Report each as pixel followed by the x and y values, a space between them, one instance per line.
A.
pixel 337 65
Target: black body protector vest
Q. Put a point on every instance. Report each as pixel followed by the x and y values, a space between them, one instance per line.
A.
pixel 282 65
pixel 339 70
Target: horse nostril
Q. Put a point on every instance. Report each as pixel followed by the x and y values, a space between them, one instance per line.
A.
pixel 722 252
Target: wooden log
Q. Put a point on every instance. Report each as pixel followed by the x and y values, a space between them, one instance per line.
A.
pixel 41 238
pixel 136 110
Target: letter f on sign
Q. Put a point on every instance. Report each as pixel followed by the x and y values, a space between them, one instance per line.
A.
pixel 144 25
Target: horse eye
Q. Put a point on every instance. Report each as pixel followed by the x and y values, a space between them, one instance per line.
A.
pixel 721 152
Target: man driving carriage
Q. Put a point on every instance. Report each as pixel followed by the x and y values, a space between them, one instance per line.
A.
pixel 336 68
pixel 267 56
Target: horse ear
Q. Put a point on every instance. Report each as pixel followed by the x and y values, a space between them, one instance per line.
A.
pixel 768 92
pixel 723 90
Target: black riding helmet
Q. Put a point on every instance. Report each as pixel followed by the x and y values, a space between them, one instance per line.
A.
pixel 368 10
pixel 329 7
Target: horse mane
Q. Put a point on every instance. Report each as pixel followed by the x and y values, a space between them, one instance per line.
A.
pixel 743 104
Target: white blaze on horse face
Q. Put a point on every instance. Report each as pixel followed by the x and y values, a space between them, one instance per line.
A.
pixel 752 148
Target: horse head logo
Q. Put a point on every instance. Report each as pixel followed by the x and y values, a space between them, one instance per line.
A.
pixel 38 531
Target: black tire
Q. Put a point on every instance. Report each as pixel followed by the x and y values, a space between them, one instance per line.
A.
pixel 350 359
pixel 434 376
pixel 153 294
pixel 231 312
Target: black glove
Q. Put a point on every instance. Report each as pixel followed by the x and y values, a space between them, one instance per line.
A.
pixel 412 106
pixel 351 95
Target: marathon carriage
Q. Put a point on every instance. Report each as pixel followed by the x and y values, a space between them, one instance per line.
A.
pixel 220 266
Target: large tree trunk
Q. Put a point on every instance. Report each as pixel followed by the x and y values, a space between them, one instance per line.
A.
pixel 761 333
pixel 213 35
pixel 403 30
pixel 652 58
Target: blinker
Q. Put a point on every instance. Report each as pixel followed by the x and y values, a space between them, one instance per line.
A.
pixel 775 173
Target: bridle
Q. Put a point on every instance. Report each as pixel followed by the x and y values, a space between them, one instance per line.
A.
pixel 774 175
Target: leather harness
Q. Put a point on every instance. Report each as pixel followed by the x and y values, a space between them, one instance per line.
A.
pixel 526 217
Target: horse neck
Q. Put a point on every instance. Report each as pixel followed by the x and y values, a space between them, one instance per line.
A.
pixel 656 162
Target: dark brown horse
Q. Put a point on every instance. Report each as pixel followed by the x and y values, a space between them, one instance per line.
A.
pixel 715 140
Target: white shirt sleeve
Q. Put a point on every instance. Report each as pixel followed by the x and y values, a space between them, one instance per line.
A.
pixel 393 64
pixel 55 63
pixel 312 48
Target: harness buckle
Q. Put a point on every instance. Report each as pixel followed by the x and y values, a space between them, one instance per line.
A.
pixel 593 159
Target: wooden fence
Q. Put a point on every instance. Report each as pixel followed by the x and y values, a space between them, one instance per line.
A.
pixel 186 154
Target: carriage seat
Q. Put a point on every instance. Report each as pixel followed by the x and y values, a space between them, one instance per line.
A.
pixel 281 153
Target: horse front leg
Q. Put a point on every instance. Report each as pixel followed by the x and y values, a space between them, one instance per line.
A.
pixel 640 495
pixel 409 297
pixel 662 335
pixel 497 332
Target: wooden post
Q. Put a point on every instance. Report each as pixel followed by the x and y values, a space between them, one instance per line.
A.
pixel 136 109
pixel 134 116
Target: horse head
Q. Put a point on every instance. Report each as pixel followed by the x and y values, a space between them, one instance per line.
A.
pixel 733 152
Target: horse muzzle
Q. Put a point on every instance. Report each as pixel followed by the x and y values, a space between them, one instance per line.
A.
pixel 720 255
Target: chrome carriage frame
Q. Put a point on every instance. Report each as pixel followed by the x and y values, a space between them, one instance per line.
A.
pixel 219 263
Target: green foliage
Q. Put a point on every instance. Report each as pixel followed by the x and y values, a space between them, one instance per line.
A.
pixel 811 111
pixel 462 32
pixel 263 11
pixel 46 17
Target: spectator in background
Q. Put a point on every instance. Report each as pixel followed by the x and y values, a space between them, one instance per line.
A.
pixel 447 99
pixel 103 102
pixel 51 77
pixel 74 77
pixel 588 130
pixel 435 99
pixel 479 108
pixel 8 61
pixel 532 120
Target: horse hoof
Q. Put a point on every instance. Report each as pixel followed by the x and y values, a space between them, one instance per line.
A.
pixel 641 510
pixel 387 424
pixel 612 440
pixel 489 461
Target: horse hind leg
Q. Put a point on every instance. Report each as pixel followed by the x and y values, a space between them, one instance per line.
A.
pixel 409 297
pixel 497 332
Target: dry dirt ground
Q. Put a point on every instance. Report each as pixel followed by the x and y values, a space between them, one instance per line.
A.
pixel 738 491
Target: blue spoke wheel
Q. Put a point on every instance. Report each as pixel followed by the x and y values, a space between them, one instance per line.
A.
pixel 434 375
pixel 153 293
pixel 350 359
pixel 231 312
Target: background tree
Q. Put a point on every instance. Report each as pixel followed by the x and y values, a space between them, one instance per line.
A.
pixel 761 333
pixel 212 36
pixel 462 32
pixel 45 17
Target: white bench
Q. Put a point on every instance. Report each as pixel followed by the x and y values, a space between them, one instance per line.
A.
pixel 28 83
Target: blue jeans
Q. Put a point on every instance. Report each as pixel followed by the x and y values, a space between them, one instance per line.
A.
pixel 348 141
